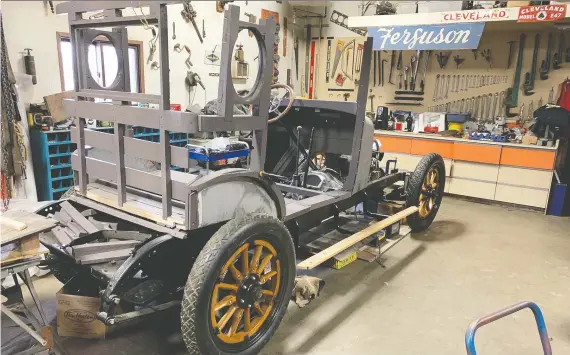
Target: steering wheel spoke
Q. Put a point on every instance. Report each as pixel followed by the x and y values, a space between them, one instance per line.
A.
pixel 276 101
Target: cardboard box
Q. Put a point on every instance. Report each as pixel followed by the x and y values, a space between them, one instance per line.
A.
pixel 77 315
pixel 529 140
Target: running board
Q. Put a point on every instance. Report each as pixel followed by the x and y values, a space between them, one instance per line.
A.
pixel 321 257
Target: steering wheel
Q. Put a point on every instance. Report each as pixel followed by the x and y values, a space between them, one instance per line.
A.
pixel 276 102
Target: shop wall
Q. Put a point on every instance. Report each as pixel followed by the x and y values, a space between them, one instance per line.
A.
pixel 30 24
pixel 495 38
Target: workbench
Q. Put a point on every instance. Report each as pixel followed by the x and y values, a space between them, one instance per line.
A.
pixel 503 172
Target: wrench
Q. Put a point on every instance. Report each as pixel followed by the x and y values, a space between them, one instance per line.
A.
pixel 476 106
pixel 489 113
pixel 461 107
pixel 447 90
pixel 441 87
pixel 494 106
pixel 437 79
pixel 406 70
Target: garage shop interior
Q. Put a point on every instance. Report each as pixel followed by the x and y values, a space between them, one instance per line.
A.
pixel 285 177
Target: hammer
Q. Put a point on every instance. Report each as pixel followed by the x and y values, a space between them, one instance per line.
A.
pixel 371 97
pixel 346 95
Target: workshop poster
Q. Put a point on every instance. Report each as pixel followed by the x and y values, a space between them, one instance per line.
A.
pixel 266 14
pixel 542 13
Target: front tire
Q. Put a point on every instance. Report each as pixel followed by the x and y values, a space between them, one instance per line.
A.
pixel 425 190
pixel 239 287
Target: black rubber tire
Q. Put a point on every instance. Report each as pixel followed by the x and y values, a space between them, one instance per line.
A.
pixel 413 190
pixel 195 323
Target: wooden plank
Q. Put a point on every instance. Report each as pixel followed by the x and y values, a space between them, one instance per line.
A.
pixel 346 243
pixel 528 158
pixel 54 104
pixel 78 218
pixel 12 223
pixel 395 144
pixel 478 153
pixel 425 147
pixel 35 223
pixel 134 207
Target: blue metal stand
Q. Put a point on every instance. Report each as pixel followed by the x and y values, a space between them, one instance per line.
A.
pixel 470 334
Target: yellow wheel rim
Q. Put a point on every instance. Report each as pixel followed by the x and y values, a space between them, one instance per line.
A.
pixel 244 294
pixel 429 192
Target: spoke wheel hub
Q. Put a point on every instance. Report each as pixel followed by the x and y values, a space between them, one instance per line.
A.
pixel 249 292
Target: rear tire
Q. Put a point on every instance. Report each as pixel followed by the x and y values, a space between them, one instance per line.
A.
pixel 231 281
pixel 425 190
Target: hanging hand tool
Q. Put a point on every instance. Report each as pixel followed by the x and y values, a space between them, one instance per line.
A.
pixel 426 63
pixel 530 76
pixel 328 72
pixel 187 61
pixel 437 80
pixel 447 86
pixel 382 72
pixel 346 96
pixel 189 14
pixel 307 53
pixel 489 101
pixel 540 103
pixel 203 29
pixel 400 75
pixel 443 58
pixel 530 111
pixel 353 63
pixel 557 60
pixel 453 83
pixel 521 114
pixel 551 96
pixel 406 98
pixel 510 57
pixel 173 30
pixel 442 87
pixel 375 69
pixel 359 52
pixel 486 53
pixel 379 54
pixel 512 95
pixel 371 97
pixel 545 65
pixel 30 65
pixel 406 70
pixel 399 64
pixel 494 112
pixel 392 62
pixel 475 53
pixel 458 61
pixel 415 74
pixel 296 50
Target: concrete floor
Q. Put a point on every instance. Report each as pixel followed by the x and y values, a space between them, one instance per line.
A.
pixel 475 259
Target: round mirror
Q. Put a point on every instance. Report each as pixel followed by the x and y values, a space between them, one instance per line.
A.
pixel 102 61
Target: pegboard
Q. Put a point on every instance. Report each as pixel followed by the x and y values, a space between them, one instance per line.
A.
pixel 495 41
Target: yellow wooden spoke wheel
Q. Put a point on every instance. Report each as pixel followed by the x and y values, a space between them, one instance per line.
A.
pixel 239 287
pixel 425 189
pixel 243 297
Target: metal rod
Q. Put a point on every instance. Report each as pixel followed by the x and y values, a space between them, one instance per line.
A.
pixel 306 175
pixel 470 334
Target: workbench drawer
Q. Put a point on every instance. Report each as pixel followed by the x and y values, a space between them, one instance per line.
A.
pixel 525 177
pixel 475 171
pixel 478 189
pixel 521 196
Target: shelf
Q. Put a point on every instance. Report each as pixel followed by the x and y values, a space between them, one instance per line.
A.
pixel 501 17
pixel 59 142
pixel 60 155
pixel 62 178
pixel 138 135
pixel 60 166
